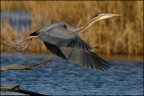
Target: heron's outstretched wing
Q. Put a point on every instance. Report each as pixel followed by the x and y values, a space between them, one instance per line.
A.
pixel 60 36
pixel 84 57
pixel 75 55
pixel 55 50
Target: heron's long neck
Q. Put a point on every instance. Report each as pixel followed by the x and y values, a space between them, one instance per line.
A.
pixel 88 24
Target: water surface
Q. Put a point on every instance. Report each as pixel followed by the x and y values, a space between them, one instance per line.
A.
pixel 63 78
pixel 17 19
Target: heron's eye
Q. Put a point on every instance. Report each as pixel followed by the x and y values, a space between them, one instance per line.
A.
pixel 65 26
pixel 100 14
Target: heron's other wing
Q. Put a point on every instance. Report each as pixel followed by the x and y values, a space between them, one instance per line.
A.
pixel 85 58
pixel 60 36
pixel 55 50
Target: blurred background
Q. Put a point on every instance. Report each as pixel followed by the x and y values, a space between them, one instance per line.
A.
pixel 119 40
pixel 118 35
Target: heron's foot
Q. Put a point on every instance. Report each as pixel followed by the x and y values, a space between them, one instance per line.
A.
pixel 25 43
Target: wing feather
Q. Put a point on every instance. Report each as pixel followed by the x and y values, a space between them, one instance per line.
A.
pixel 84 57
pixel 71 47
pixel 62 37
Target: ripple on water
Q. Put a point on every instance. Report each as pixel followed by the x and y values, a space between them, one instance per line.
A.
pixel 63 78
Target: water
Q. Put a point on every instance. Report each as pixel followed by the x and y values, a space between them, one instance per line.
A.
pixel 17 19
pixel 63 78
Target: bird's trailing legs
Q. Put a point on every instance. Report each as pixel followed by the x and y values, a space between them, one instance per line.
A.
pixel 32 37
pixel 27 39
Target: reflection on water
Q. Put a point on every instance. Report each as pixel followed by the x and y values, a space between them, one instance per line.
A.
pixel 17 19
pixel 63 78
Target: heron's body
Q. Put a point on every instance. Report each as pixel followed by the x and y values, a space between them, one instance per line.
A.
pixel 62 40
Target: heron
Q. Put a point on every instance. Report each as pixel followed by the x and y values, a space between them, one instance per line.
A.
pixel 62 40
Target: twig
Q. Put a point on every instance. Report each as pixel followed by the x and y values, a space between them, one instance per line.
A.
pixel 16 88
pixel 11 47
pixel 17 47
pixel 21 67
pixel 9 88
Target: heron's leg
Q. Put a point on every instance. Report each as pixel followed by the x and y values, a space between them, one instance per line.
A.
pixel 27 45
pixel 27 39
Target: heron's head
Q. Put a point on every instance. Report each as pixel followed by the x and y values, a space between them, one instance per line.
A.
pixel 101 16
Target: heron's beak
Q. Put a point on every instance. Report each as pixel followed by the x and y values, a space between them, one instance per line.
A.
pixel 112 15
pixel 108 15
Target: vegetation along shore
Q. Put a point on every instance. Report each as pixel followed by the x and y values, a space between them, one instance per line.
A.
pixel 119 35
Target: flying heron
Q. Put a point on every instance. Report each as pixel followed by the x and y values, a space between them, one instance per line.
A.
pixel 62 40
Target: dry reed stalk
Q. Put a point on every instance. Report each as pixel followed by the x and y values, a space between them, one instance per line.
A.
pixel 121 35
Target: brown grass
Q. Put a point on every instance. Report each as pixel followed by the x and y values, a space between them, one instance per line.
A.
pixel 119 35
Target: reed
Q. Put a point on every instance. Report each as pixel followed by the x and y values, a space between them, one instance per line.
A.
pixel 119 35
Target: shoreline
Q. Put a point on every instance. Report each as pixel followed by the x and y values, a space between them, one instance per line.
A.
pixel 113 57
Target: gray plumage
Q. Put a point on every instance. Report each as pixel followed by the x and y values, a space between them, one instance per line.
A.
pixel 68 45
pixel 60 36
pixel 62 40
pixel 84 57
